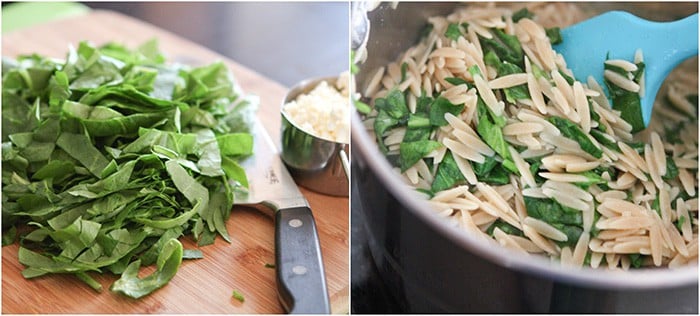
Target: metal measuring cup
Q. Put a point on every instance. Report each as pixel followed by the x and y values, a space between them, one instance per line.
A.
pixel 318 164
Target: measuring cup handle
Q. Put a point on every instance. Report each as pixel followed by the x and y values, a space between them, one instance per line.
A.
pixel 345 161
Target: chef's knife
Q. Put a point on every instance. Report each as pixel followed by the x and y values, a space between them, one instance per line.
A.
pixel 301 283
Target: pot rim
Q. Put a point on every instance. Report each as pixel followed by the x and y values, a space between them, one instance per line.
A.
pixel 648 278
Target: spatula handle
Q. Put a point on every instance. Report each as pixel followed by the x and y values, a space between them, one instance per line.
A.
pixel 301 281
pixel 673 42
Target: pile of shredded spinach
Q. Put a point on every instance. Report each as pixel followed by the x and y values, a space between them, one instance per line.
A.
pixel 111 155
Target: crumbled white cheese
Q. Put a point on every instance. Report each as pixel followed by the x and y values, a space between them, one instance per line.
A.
pixel 324 112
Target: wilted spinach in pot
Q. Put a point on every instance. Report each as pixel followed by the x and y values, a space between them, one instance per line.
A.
pixel 111 155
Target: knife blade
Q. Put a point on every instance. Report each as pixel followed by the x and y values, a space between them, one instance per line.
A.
pixel 301 283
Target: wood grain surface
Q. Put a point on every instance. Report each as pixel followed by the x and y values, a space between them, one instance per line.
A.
pixel 200 286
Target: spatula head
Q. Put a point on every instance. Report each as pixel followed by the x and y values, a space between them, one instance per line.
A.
pixel 618 35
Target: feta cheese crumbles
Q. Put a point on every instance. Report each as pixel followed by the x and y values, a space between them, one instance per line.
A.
pixel 324 112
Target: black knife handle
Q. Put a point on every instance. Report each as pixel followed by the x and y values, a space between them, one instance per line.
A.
pixel 300 279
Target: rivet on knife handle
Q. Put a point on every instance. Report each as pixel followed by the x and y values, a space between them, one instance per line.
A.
pixel 300 278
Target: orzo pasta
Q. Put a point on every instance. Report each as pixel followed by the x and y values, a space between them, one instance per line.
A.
pixel 484 118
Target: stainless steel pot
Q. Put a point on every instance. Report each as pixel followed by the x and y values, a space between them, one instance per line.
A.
pixel 431 266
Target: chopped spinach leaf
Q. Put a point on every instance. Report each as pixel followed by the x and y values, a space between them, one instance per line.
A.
pixel 392 111
pixel 539 73
pixel 637 146
pixel 656 205
pixel 570 81
pixel 596 217
pixel 9 235
pixel 483 169
pixel 423 104
pixel 506 47
pixel 192 254
pixel 554 35
pixel 605 139
pixel 448 174
pixel 491 59
pixel 671 169
pixel 571 131
pixel 573 233
pixel 458 81
pixel 679 223
pixel 535 170
pixel 404 68
pixel 441 106
pixel 682 195
pixel 587 259
pixel 394 104
pixel 550 211
pixel 521 14
pixel 411 152
pixel 627 102
pixel 517 92
pixel 629 105
pixel 639 72
pixel 362 107
pixel 636 260
pixel 564 219
pixel 382 123
pixel 475 71
pixel 238 296
pixel 489 128
pixel 168 263
pixel 453 31
pixel 591 178
pixel 498 175
pixel 491 171
pixel 505 227
pixel 418 121
pixel 417 134
pixel 82 276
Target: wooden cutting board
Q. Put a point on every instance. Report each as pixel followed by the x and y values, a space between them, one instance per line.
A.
pixel 200 286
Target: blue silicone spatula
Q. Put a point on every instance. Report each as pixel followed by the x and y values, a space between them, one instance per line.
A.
pixel 619 34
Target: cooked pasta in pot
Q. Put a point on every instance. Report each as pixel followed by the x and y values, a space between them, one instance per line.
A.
pixel 485 120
